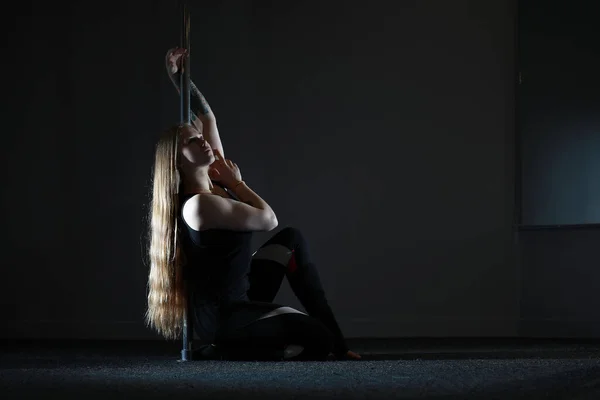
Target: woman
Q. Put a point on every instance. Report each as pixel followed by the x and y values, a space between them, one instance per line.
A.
pixel 202 218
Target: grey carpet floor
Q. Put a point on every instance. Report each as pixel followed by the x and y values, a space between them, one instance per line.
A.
pixel 103 371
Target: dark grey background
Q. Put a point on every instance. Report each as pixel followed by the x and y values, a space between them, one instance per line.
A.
pixel 383 130
pixel 559 111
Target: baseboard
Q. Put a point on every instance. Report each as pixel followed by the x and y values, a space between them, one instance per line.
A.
pixel 559 328
pixel 430 327
pixel 352 328
pixel 53 329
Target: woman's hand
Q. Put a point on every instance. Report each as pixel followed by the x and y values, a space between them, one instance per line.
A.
pixel 175 64
pixel 224 171
pixel 174 59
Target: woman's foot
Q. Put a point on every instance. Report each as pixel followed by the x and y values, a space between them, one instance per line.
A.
pixel 350 355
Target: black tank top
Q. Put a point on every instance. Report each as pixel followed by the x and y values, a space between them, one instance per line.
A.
pixel 216 267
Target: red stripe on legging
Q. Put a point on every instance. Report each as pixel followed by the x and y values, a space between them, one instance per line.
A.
pixel 292 263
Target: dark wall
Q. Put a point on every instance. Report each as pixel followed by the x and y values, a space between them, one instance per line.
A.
pixel 383 130
pixel 560 278
pixel 559 122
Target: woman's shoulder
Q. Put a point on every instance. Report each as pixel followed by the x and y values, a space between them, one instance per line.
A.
pixel 191 206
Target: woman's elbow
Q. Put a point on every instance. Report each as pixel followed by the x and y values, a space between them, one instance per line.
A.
pixel 273 223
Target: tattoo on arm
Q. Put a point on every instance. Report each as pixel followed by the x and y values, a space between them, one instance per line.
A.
pixel 198 103
pixel 197 100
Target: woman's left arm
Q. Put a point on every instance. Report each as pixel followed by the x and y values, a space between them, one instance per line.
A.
pixel 202 115
pixel 204 119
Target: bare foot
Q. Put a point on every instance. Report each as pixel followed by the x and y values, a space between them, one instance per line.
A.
pixel 350 355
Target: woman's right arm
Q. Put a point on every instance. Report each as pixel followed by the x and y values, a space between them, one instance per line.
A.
pixel 252 213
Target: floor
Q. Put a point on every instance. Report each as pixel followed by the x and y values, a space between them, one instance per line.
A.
pixel 399 368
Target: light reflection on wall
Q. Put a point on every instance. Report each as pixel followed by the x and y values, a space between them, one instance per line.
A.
pixel 561 171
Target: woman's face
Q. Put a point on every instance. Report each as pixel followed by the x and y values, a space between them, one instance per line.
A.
pixel 195 151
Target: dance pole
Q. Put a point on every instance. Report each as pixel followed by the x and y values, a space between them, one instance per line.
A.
pixel 184 84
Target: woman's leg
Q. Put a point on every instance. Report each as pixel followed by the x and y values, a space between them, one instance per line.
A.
pixel 286 254
pixel 267 331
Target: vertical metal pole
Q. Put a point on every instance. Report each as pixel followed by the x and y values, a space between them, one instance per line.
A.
pixel 188 333
pixel 185 77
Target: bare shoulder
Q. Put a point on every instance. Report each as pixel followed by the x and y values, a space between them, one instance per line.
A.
pixel 197 209
pixel 211 211
pixel 190 212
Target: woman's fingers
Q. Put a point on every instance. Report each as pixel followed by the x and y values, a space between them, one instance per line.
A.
pixel 214 173
pixel 177 52
pixel 223 161
pixel 175 58
pixel 219 155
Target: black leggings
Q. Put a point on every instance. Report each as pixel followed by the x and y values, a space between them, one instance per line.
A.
pixel 243 334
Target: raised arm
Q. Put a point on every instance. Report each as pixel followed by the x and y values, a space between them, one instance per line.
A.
pixel 202 115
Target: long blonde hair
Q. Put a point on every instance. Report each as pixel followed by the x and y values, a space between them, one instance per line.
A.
pixel 166 289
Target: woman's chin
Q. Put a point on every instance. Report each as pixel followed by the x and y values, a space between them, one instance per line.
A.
pixel 207 162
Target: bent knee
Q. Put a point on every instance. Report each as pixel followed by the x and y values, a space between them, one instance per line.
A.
pixel 291 234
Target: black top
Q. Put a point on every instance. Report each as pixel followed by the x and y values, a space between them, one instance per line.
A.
pixel 216 266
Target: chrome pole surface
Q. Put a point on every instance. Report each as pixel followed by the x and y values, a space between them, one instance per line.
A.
pixel 184 84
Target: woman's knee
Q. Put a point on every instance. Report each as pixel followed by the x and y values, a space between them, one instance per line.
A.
pixel 287 247
pixel 290 235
